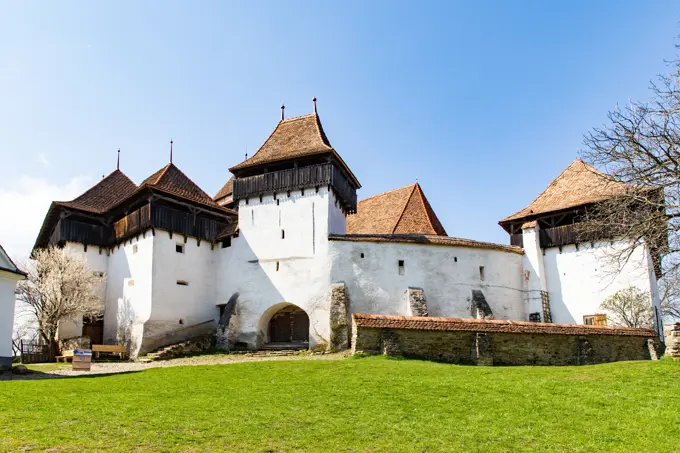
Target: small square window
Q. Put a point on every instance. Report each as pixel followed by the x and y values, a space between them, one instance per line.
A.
pixel 179 248
pixel 362 254
pixel 535 317
pixel 401 267
pixel 226 242
pixel 135 249
pixel 131 283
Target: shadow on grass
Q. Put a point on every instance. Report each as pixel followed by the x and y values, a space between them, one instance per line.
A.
pixel 49 374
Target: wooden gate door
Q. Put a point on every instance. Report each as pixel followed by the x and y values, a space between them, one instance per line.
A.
pixel 94 328
pixel 289 325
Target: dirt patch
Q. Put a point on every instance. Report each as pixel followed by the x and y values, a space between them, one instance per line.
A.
pixel 208 359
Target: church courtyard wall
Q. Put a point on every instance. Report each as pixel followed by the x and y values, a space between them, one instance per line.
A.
pixel 489 342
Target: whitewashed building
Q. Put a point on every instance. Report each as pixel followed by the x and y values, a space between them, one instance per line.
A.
pixel 284 253
pixel 10 274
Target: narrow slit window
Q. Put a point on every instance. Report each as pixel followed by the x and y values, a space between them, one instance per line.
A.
pixel 179 248
pixel 135 249
pixel 401 267
pixel 277 266
pixel 283 234
pixel 481 273
pixel 362 254
pixel 98 274
pixel 182 283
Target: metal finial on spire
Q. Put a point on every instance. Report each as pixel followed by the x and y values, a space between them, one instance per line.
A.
pixel 283 107
pixel 416 180
pixel 171 142
pixel 118 163
pixel 314 101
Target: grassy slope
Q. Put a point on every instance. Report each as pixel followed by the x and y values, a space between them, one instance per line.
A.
pixel 368 404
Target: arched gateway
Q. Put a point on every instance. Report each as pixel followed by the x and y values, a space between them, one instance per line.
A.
pixel 288 327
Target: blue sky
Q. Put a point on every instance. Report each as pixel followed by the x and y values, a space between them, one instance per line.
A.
pixel 484 102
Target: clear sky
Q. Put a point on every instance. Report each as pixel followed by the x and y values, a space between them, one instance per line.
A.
pixel 484 102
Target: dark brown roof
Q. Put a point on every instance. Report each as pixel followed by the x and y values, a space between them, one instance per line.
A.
pixel 226 190
pixel 425 239
pixel 103 195
pixel 292 138
pixel 400 211
pixel 579 184
pixel 172 180
pixel 489 325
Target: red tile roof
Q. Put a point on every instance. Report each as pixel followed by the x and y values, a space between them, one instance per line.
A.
pixel 293 138
pixel 172 180
pixel 226 191
pixel 405 210
pixel 425 239
pixel 579 184
pixel 490 326
pixel 105 194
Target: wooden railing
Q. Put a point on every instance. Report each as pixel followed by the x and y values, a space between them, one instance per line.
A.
pixel 296 179
pixel 517 239
pixel 569 234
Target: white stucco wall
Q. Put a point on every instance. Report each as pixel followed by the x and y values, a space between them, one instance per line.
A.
pixel 579 280
pixel 128 290
pixel 303 278
pixel 192 304
pixel 446 274
pixel 8 282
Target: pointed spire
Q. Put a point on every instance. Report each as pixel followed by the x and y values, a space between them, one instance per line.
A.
pixel 118 163
pixel 171 150
pixel 283 107
pixel 314 101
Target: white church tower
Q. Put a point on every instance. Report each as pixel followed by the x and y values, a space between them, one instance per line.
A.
pixel 290 195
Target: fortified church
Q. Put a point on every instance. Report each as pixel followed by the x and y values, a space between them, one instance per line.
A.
pixel 284 254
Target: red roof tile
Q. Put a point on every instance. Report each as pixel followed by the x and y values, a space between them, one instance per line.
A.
pixel 405 210
pixel 293 138
pixel 425 239
pixel 489 326
pixel 579 184
pixel 103 195
pixel 226 191
pixel 172 180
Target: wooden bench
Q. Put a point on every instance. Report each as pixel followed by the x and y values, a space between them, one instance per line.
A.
pixel 110 348
pixel 66 356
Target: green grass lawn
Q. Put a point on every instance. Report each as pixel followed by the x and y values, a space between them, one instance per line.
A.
pixel 352 405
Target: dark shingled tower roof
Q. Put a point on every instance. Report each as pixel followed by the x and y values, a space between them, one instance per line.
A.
pixel 579 184
pixel 292 138
pixel 172 180
pixel 105 194
pixel 400 211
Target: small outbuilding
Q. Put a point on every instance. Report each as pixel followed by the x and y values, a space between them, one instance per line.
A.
pixel 10 274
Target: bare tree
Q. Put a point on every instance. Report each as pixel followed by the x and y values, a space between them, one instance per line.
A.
pixel 639 149
pixel 59 286
pixel 630 307
pixel 669 293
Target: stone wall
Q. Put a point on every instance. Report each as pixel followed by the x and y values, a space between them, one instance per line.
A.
pixel 673 340
pixel 490 342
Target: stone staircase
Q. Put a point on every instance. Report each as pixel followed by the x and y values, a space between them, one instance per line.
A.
pixel 192 346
